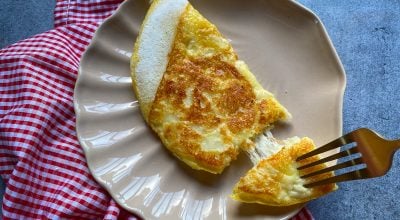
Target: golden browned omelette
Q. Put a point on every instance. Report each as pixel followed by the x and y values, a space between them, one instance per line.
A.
pixel 275 180
pixel 207 105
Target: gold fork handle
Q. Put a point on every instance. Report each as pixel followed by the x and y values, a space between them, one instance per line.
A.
pixel 397 144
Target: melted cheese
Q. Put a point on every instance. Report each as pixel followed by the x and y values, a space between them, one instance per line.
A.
pixel 275 180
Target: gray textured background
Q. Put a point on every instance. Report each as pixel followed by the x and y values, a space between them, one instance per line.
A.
pixel 366 34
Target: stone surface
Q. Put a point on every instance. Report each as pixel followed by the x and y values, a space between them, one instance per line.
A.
pixel 366 36
pixel 20 19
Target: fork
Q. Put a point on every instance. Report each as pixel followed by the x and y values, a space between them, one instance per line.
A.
pixel 376 157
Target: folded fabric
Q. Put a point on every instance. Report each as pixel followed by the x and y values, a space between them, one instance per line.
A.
pixel 41 161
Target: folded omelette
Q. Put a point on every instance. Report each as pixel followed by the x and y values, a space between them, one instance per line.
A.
pixel 199 98
pixel 203 103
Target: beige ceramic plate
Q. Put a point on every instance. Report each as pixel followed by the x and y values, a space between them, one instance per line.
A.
pixel 287 49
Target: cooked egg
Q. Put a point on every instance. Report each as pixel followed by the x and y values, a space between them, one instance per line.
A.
pixel 203 103
pixel 275 180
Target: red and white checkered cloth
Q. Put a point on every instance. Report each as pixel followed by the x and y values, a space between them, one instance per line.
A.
pixel 41 162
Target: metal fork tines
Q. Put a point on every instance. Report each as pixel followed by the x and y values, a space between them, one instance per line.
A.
pixel 372 156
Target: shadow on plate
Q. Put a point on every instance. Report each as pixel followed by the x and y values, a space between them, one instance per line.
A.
pixel 253 209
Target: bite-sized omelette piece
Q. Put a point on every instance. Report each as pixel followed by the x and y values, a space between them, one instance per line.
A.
pixel 202 101
pixel 275 180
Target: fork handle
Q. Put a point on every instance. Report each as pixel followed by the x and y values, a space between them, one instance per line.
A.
pixel 397 144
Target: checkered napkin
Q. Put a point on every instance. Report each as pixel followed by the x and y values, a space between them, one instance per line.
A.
pixel 41 162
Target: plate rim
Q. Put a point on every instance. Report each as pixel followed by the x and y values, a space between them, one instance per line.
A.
pixel 341 90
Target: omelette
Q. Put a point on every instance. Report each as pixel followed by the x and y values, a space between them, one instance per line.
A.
pixel 206 106
pixel 275 180
pixel 199 98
